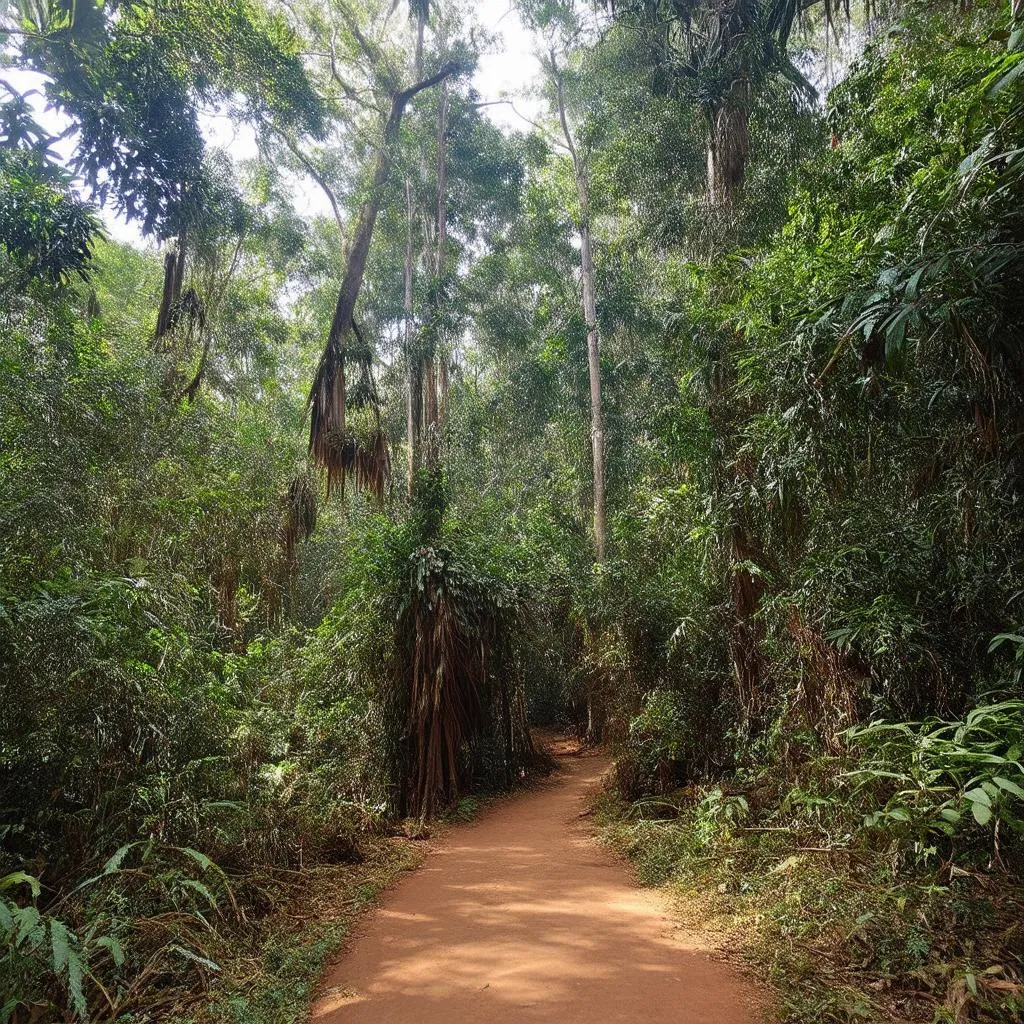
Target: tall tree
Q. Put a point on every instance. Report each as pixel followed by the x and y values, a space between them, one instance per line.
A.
pixel 328 439
pixel 589 298
pixel 720 54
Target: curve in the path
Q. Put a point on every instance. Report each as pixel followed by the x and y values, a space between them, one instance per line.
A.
pixel 522 917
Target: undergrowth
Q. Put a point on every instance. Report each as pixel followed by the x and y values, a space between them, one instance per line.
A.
pixel 271 968
pixel 858 903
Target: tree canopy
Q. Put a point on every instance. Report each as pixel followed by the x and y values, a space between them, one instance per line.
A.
pixel 686 417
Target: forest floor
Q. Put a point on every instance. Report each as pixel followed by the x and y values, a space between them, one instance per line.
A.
pixel 523 916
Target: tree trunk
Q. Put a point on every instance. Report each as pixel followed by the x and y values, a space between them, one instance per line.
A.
pixel 174 273
pixel 414 396
pixel 434 398
pixel 442 239
pixel 728 147
pixel 590 318
pixel 327 395
pixel 594 366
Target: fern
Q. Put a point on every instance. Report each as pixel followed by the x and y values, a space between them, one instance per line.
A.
pixel 41 942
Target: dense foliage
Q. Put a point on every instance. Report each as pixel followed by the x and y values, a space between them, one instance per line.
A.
pixel 221 665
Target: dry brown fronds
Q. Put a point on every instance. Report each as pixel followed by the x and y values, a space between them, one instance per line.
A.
pixel 300 513
pixel 461 692
pixel 343 453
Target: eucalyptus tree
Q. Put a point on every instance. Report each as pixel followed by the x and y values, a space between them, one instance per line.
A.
pixel 581 175
pixel 370 46
pixel 573 99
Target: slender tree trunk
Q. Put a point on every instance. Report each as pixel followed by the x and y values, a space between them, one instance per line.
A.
pixel 327 395
pixel 590 318
pixel 594 367
pixel 414 360
pixel 442 180
pixel 435 397
pixel 414 396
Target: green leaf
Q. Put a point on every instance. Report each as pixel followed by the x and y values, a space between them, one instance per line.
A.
pixel 114 863
pixel 1008 786
pixel 200 858
pixel 76 972
pixel 913 283
pixel 20 878
pixel 1004 638
pixel 982 813
pixel 198 887
pixel 30 927
pixel 978 796
pixel 1011 76
pixel 110 943
pixel 60 943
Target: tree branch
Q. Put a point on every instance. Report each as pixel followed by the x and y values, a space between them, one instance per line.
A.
pixel 548 137
pixel 560 93
pixel 310 168
pixel 347 89
pixel 407 94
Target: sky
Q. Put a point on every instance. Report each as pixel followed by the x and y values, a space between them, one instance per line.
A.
pixel 507 72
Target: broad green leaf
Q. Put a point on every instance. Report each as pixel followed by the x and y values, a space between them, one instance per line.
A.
pixel 1008 786
pixel 978 795
pixel 982 813
pixel 21 878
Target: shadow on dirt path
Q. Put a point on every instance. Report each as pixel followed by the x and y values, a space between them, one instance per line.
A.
pixel 523 917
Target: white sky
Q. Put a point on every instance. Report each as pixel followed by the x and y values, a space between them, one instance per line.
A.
pixel 507 72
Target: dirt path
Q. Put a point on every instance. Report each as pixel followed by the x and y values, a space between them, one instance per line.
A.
pixel 523 917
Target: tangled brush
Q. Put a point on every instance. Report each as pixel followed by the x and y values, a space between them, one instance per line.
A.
pixel 459 707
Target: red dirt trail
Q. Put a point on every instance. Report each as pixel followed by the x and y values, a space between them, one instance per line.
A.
pixel 522 917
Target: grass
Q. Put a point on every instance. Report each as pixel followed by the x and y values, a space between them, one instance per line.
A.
pixel 846 931
pixel 270 969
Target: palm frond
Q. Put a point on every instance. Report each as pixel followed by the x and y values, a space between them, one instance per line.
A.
pixel 300 513
pixel 342 453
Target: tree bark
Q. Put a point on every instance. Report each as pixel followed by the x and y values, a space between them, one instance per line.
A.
pixel 174 273
pixel 436 381
pixel 414 395
pixel 728 146
pixel 594 367
pixel 590 318
pixel 327 395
